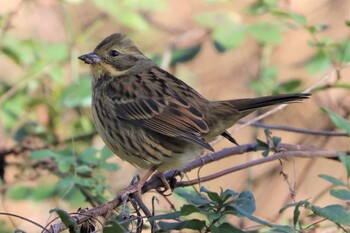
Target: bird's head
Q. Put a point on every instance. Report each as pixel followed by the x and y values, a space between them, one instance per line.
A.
pixel 116 55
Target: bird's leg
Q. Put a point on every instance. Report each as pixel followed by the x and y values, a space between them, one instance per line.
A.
pixel 168 184
pixel 145 178
pixel 137 187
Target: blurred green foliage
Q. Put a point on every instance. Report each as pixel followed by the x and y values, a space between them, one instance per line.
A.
pixel 49 98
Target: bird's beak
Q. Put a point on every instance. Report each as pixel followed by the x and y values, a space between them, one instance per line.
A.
pixel 90 58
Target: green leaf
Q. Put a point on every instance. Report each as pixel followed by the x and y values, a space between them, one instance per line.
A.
pixel 189 209
pixel 227 38
pixel 287 87
pixel 54 51
pixel 262 222
pixel 184 55
pixel 43 154
pixel 267 80
pixel 225 228
pixel 193 224
pixel 107 5
pixel 261 145
pixel 42 192
pixel 85 182
pixel 65 164
pixel 345 159
pixel 77 95
pixel 347 23
pixel 150 5
pixel 262 6
pixel 184 211
pixel 113 227
pixel 18 192
pixel 342 52
pixel 228 193
pixel 301 19
pixel 172 215
pixel 296 212
pixel 296 215
pixel 318 63
pixel 106 153
pixel 20 51
pixel 342 194
pixel 123 14
pixel 296 204
pixel 83 169
pixel 227 30
pixel 276 228
pixel 217 18
pixel 12 109
pixel 103 155
pixel 246 202
pixel 282 229
pixel 57 74
pixel 334 213
pixel 131 19
pixel 276 141
pixel 73 196
pixel 67 220
pixel 338 121
pixel 65 184
pixel 193 197
pixel 266 33
pixel 9 52
pixel 109 166
pixel 212 195
pixel 89 156
pixel 332 180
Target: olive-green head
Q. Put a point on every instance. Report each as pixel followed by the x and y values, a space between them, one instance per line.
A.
pixel 115 54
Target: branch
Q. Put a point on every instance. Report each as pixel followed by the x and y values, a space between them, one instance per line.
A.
pixel 296 130
pixel 297 151
pixel 277 156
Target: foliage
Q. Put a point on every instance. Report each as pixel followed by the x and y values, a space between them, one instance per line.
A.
pixel 45 109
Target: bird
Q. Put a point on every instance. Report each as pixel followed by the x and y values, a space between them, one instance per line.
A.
pixel 152 119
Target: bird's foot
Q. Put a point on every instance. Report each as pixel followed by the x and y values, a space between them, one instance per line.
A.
pixel 168 184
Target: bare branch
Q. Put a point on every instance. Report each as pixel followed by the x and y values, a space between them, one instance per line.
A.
pixel 296 130
pixel 277 156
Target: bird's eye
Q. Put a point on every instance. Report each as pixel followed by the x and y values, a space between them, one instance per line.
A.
pixel 113 53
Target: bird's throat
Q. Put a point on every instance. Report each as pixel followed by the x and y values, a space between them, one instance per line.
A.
pixel 101 69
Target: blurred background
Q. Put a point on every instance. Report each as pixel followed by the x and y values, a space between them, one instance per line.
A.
pixel 224 49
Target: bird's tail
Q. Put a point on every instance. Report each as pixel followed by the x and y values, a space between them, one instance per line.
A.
pixel 223 114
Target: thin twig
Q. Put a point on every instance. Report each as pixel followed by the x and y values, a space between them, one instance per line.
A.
pixel 296 130
pixel 277 156
pixel 145 210
pixel 134 203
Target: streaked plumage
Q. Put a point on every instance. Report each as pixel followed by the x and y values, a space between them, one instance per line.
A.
pixel 150 118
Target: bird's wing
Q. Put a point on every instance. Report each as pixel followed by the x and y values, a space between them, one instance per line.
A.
pixel 170 115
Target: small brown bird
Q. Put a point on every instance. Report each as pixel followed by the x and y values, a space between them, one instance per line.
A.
pixel 150 118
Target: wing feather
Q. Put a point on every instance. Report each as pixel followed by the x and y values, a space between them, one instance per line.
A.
pixel 170 116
